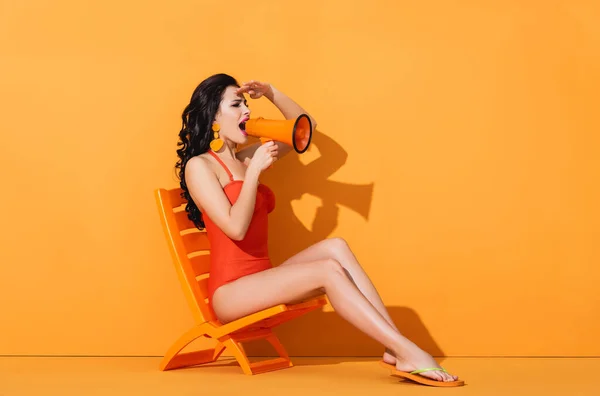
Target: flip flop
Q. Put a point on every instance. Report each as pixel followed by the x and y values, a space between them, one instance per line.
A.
pixel 419 378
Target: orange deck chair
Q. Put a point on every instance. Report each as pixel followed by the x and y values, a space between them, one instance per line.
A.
pixel 190 251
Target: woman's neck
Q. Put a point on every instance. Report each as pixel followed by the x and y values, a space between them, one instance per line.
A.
pixel 228 151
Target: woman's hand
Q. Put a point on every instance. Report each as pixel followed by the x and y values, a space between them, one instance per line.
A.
pixel 256 89
pixel 263 158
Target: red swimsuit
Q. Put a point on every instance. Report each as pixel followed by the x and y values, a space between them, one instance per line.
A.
pixel 230 259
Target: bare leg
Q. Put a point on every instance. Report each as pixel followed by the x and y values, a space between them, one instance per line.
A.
pixel 338 249
pixel 289 283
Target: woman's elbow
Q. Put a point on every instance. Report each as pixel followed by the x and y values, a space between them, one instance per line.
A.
pixel 237 235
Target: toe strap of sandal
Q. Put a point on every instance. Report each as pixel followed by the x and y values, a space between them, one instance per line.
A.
pixel 428 369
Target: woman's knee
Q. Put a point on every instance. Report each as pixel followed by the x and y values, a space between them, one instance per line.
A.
pixel 332 265
pixel 332 270
pixel 337 245
pixel 339 248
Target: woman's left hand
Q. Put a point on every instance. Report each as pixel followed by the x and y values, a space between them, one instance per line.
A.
pixel 256 89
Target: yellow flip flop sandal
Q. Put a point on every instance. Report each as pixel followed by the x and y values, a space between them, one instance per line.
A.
pixel 413 376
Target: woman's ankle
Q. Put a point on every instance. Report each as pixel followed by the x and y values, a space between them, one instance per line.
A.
pixel 405 348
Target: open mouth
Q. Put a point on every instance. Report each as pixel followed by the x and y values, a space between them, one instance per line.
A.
pixel 243 128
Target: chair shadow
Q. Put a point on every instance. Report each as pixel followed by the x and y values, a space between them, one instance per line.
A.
pixel 316 332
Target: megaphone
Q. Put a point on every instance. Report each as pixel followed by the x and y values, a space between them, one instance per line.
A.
pixel 295 132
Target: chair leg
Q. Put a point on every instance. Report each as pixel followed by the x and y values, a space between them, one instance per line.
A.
pixel 274 340
pixel 173 359
pixel 234 344
pixel 238 352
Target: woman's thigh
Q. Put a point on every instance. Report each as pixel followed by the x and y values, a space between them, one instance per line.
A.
pixel 265 289
pixel 321 250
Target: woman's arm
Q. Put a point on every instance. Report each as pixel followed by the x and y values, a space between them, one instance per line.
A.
pixel 207 193
pixel 285 104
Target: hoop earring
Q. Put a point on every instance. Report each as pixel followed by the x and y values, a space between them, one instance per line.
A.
pixel 216 143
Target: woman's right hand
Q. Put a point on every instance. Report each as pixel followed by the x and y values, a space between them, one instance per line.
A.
pixel 263 157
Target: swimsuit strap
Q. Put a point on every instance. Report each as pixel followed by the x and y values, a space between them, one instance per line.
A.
pixel 222 164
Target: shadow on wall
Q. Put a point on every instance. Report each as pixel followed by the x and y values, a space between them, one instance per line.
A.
pixel 291 179
pixel 324 333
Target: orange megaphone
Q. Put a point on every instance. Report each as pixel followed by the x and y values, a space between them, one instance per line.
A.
pixel 295 132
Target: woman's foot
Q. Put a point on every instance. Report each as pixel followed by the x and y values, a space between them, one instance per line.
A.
pixel 388 357
pixel 413 358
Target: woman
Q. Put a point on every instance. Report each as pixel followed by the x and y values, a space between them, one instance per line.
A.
pixel 221 185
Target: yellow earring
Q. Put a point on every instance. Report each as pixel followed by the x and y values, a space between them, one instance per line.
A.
pixel 216 143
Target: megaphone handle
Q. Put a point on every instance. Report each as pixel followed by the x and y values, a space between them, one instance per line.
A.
pixel 263 141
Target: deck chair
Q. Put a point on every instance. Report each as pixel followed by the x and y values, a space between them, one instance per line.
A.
pixel 190 251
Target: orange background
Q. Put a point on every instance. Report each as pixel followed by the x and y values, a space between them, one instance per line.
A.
pixel 457 153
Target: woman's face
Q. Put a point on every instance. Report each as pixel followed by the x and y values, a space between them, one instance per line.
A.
pixel 232 116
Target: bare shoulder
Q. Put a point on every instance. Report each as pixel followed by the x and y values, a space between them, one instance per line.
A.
pixel 206 191
pixel 199 167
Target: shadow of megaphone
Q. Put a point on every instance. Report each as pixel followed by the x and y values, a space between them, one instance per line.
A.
pixel 356 197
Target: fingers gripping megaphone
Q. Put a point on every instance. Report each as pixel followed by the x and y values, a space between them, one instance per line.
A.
pixel 295 132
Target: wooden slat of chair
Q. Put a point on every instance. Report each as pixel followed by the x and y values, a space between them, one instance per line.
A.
pixel 175 197
pixel 195 241
pixel 183 222
pixel 200 264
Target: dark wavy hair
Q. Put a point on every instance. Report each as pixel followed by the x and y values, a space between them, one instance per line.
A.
pixel 196 131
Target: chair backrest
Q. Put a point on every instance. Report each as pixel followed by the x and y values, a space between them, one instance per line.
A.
pixel 190 250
